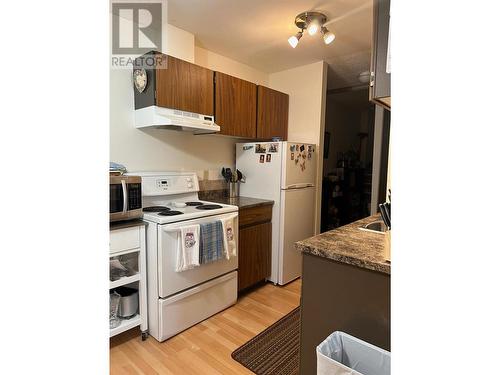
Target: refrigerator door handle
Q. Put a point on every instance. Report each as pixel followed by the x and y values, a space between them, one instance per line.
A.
pixel 299 186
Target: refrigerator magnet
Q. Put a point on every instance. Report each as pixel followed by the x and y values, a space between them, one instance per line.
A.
pixel 302 148
pixel 268 158
pixel 309 148
pixel 309 155
pixel 303 156
pixel 292 156
pixel 261 159
pixel 273 147
pixel 296 161
pixel 247 147
pixel 260 149
pixel 292 148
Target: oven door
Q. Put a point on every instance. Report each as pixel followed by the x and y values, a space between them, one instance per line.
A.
pixel 171 282
pixel 125 198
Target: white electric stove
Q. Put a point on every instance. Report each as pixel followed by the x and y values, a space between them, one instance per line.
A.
pixel 179 300
pixel 170 197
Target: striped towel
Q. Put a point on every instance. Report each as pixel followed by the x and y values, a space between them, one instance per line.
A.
pixel 211 242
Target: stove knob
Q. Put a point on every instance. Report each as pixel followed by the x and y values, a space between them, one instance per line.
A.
pixel 190 185
pixel 189 179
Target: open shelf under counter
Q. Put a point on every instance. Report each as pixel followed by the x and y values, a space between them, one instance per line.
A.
pixel 127 246
pixel 124 281
pixel 125 325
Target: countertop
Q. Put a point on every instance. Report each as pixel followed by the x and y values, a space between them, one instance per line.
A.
pixel 350 245
pixel 126 224
pixel 244 202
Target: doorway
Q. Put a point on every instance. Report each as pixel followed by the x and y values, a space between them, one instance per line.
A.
pixel 350 144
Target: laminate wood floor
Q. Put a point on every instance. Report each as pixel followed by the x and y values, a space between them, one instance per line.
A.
pixel 205 348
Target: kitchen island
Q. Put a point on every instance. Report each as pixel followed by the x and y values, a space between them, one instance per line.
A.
pixel 345 287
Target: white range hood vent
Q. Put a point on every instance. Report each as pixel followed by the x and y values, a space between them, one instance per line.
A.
pixel 166 118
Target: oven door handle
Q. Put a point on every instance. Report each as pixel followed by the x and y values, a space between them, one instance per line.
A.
pixel 125 196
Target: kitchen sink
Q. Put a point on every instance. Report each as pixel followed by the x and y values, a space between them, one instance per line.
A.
pixel 377 226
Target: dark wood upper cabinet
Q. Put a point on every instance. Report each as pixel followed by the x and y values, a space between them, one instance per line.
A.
pixel 235 106
pixel 185 86
pixel 380 80
pixel 241 108
pixel 272 113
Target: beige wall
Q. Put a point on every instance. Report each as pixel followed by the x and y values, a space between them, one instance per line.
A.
pixel 223 64
pixel 159 149
pixel 306 86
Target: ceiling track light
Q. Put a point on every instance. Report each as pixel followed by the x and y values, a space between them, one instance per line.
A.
pixel 312 22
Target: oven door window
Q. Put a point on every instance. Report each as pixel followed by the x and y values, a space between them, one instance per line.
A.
pixel 115 198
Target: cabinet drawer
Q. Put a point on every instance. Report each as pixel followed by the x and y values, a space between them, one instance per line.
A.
pixel 124 239
pixel 255 215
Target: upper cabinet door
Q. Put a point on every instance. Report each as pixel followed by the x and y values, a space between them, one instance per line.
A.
pixel 185 86
pixel 380 82
pixel 235 106
pixel 272 113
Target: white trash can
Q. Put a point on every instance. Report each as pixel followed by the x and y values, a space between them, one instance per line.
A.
pixel 343 354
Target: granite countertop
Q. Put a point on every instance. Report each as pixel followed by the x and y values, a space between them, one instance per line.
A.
pixel 350 245
pixel 243 202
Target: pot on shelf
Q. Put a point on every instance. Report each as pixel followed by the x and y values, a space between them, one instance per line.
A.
pixel 129 302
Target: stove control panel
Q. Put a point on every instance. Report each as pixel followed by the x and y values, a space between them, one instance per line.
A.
pixel 166 184
pixel 162 184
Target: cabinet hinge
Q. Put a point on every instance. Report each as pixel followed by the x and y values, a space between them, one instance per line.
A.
pixel 372 78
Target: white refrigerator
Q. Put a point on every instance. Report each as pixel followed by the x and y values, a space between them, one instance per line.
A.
pixel 284 172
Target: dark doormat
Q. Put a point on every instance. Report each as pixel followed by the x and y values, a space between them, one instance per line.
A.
pixel 274 351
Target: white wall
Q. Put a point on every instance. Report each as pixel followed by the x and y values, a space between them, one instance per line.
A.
pixel 159 149
pixel 306 86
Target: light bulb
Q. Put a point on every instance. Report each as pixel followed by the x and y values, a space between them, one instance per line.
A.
pixel 328 36
pixel 313 27
pixel 294 40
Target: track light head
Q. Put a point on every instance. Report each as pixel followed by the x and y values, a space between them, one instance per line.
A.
pixel 294 39
pixel 313 27
pixel 328 36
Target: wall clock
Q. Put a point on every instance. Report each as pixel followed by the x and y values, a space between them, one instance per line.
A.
pixel 140 79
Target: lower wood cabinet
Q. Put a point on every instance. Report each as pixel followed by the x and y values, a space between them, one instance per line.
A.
pixel 254 246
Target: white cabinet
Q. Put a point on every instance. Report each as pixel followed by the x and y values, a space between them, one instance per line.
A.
pixel 127 249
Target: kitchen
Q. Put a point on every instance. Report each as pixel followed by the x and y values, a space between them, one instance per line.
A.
pixel 233 188
pixel 195 120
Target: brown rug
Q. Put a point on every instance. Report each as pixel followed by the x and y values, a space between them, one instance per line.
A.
pixel 274 351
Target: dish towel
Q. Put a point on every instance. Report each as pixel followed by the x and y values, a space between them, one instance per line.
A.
pixel 188 248
pixel 229 237
pixel 211 242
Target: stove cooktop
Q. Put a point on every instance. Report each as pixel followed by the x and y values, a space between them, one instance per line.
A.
pixel 163 211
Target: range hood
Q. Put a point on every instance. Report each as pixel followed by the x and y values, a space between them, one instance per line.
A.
pixel 166 118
